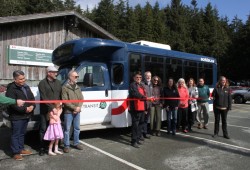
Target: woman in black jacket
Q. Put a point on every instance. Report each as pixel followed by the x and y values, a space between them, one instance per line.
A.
pixel 221 105
pixel 19 116
pixel 171 105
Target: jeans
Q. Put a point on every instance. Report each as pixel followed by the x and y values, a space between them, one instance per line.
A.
pixel 172 120
pixel 17 136
pixel 68 119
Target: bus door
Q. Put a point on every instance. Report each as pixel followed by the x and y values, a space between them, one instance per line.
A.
pixel 95 85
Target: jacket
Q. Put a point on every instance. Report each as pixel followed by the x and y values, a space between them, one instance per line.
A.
pixel 68 93
pixel 15 92
pixel 168 93
pixel 7 100
pixel 183 92
pixel 222 98
pixel 49 91
pixel 204 93
pixel 149 91
pixel 157 93
pixel 137 91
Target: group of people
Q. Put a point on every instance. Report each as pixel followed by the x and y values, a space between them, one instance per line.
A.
pixel 184 105
pixel 51 132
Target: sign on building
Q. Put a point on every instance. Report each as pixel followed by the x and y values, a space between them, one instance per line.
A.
pixel 29 56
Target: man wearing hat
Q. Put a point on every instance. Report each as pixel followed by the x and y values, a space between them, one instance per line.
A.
pixel 50 89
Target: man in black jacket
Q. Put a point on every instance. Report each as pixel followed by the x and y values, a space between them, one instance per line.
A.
pixel 50 89
pixel 19 116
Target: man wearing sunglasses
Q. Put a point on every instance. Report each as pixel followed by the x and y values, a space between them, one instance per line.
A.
pixel 137 108
pixel 71 91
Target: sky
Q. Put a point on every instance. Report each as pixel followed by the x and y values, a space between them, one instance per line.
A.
pixel 229 8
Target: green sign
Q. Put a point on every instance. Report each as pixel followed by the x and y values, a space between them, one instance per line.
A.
pixel 29 56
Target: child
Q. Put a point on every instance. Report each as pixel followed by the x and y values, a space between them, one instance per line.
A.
pixel 54 131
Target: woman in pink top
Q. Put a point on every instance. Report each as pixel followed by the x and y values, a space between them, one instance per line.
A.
pixel 54 131
pixel 182 114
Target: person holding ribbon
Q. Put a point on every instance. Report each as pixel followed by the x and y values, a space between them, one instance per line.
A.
pixel 137 108
pixel 19 116
pixel 10 101
pixel 156 107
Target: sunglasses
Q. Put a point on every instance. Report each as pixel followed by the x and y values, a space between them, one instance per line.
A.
pixel 138 77
pixel 156 80
pixel 76 77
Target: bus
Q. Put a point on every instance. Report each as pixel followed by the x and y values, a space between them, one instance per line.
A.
pixel 105 69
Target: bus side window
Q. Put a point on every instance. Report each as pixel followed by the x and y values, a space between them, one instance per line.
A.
pixel 118 71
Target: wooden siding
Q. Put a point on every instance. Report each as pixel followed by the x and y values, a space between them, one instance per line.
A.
pixel 45 33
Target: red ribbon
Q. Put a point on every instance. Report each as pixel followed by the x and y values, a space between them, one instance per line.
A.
pixel 105 100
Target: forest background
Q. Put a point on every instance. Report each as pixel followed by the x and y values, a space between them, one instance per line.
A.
pixel 185 28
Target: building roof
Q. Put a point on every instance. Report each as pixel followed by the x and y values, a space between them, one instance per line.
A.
pixel 90 24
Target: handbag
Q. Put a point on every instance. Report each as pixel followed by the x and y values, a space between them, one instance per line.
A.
pixel 194 107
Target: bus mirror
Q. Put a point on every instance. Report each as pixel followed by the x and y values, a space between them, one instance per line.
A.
pixel 88 80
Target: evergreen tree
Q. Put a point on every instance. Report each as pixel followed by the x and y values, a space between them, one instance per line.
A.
pixel 146 23
pixel 105 15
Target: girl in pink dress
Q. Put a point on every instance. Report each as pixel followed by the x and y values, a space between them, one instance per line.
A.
pixel 54 131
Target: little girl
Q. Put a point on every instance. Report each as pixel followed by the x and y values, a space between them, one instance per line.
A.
pixel 54 131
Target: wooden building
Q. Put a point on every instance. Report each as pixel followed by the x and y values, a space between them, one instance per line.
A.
pixel 44 31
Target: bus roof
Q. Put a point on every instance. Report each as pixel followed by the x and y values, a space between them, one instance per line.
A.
pixel 72 49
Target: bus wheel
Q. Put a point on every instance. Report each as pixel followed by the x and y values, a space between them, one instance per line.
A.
pixel 238 100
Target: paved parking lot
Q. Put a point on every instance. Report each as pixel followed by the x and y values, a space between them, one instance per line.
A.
pixel 110 149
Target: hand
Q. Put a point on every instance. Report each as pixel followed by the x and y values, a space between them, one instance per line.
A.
pixel 77 109
pixel 29 109
pixel 20 102
pixel 167 108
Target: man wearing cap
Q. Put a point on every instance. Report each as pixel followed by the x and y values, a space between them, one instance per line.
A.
pixel 50 89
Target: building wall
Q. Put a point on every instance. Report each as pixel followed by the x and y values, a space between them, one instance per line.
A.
pixel 44 33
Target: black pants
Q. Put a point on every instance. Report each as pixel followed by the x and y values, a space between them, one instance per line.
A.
pixel 223 114
pixel 145 124
pixel 137 124
pixel 182 118
pixel 42 129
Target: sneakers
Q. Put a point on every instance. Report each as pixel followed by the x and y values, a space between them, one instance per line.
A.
pixel 215 135
pixel 66 150
pixel 185 131
pixel 158 133
pixel 18 157
pixel 42 152
pixel 139 143
pixel 146 136
pixel 205 127
pixel 25 152
pixel 79 147
pixel 199 126
pixel 226 136
pixel 135 145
